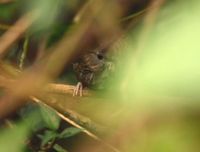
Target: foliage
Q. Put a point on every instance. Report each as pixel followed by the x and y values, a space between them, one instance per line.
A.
pixel 150 102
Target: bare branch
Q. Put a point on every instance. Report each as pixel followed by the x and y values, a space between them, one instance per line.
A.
pixel 16 31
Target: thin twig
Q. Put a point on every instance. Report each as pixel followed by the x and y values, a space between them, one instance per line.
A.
pixel 24 53
pixel 15 31
pixel 50 88
pixel 64 89
pixel 134 15
pixel 75 124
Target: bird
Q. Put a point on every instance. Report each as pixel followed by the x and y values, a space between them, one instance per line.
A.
pixel 91 69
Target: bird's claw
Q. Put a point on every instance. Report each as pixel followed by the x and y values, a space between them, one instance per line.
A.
pixel 78 91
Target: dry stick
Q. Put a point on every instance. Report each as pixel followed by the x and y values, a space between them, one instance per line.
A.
pixel 42 47
pixel 75 119
pixel 4 26
pixel 53 88
pixel 50 88
pixel 61 89
pixel 15 31
pixel 41 73
pixel 33 80
pixel 37 100
pixel 78 126
pixel 64 89
pixel 134 15
pixel 8 73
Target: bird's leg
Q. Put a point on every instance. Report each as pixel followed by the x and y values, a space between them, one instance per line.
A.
pixel 78 90
pixel 81 89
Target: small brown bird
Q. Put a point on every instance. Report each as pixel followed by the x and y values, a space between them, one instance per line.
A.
pixel 91 69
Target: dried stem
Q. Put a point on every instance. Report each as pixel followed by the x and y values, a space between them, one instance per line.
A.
pixel 15 31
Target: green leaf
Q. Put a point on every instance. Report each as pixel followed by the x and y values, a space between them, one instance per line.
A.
pixel 68 132
pixel 58 148
pixel 13 139
pixel 48 136
pixel 8 11
pixel 50 117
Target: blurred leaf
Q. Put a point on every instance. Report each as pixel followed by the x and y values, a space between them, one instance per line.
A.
pixel 48 11
pixel 13 139
pixel 49 135
pixel 68 132
pixel 167 63
pixel 50 117
pixel 167 137
pixel 58 148
pixel 7 11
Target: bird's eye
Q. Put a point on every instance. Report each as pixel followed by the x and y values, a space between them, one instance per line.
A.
pixel 100 57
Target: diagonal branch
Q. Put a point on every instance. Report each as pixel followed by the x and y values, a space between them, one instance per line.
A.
pixel 15 31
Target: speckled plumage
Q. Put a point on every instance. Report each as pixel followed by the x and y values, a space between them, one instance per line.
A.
pixel 90 69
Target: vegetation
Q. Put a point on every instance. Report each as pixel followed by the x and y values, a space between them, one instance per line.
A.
pixel 147 95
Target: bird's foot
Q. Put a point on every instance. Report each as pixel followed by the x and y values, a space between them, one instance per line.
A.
pixel 78 91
